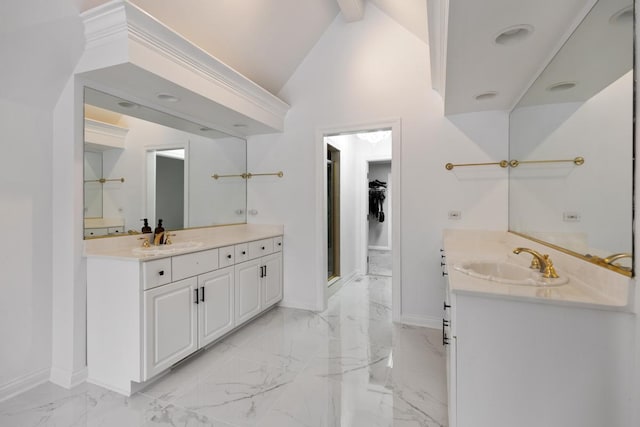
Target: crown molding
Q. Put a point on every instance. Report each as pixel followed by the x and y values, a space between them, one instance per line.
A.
pixel 120 20
pixel 104 136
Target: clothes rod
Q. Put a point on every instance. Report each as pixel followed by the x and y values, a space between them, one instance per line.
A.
pixel 501 163
pixel 578 161
pixel 103 180
pixel 248 175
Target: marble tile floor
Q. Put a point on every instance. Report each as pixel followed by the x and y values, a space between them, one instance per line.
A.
pixel 347 366
pixel 380 262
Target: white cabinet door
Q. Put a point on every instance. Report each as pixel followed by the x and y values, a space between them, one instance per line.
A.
pixel 170 325
pixel 272 279
pixel 215 310
pixel 247 290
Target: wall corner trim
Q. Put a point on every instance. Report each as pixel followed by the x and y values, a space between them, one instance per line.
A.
pixel 68 379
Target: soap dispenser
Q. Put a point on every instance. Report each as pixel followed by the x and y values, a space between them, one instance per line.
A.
pixel 158 234
pixel 145 228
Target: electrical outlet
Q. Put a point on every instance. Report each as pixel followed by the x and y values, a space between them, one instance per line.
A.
pixel 455 215
pixel 571 217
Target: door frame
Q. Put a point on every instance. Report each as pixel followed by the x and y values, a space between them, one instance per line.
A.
pixel 321 214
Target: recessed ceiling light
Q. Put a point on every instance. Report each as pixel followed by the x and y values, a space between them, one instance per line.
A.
pixel 623 16
pixel 557 87
pixel 167 97
pixel 127 104
pixel 239 125
pixel 513 34
pixel 485 96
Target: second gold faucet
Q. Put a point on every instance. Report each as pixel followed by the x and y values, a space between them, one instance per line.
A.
pixel 540 262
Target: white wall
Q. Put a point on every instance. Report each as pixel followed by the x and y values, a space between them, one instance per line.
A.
pixel 25 256
pixel 31 79
pixel 364 72
pixel 220 201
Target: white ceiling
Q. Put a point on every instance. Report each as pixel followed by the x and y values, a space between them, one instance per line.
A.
pixel 265 40
pixel 475 64
pixel 598 53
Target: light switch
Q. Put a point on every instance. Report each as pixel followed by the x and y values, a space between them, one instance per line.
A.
pixel 571 217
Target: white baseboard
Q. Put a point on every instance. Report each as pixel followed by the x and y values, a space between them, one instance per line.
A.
pixel 427 322
pixel 122 391
pixel 287 303
pixel 68 379
pixel 380 248
pixel 23 383
pixel 340 282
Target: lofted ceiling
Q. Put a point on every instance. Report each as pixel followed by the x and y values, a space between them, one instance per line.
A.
pixel 467 61
pixel 265 40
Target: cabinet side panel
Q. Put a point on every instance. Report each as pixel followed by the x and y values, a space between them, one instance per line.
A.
pixel 113 322
pixel 529 365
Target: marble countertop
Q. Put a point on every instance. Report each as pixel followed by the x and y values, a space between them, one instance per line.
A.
pixel 589 285
pixel 122 247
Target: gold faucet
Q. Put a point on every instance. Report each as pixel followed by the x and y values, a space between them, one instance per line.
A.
pixel 541 262
pixel 611 258
pixel 168 241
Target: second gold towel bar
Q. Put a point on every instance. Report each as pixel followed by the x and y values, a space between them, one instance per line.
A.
pixel 248 175
pixel 578 161
pixel 103 180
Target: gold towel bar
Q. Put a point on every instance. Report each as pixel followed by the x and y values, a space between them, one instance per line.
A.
pixel 103 180
pixel 501 163
pixel 578 161
pixel 216 176
pixel 248 175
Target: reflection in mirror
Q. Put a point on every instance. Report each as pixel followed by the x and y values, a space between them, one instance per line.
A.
pixel 580 106
pixel 142 163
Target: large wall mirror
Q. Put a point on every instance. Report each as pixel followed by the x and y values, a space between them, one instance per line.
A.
pixel 143 163
pixel 572 135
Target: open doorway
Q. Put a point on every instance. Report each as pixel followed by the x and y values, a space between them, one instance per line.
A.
pixel 167 172
pixel 358 205
pixel 333 214
pixel 379 255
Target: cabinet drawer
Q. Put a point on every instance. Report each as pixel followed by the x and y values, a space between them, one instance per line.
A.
pixel 188 265
pixel 277 244
pixel 260 248
pixel 226 256
pixel 242 252
pixel 156 273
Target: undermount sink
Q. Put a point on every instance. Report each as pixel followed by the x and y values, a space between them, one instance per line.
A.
pixel 505 272
pixel 166 249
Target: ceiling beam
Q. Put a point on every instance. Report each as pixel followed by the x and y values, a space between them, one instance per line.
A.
pixel 352 10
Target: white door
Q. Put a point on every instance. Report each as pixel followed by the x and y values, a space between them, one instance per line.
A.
pixel 170 325
pixel 272 279
pixel 215 311
pixel 247 292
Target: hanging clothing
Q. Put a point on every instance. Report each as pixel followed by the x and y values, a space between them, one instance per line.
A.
pixel 377 194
